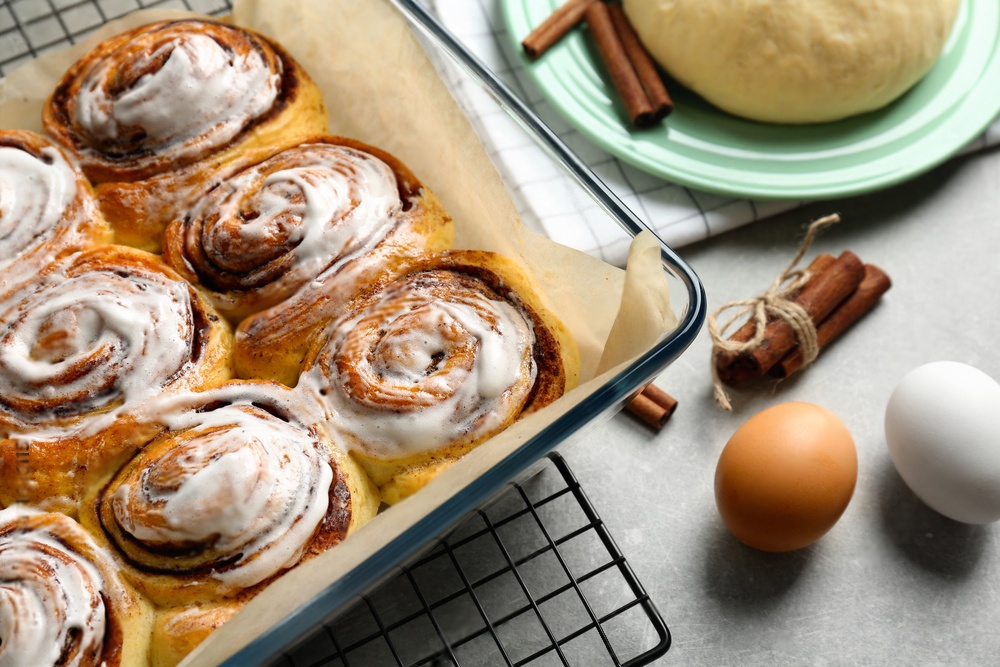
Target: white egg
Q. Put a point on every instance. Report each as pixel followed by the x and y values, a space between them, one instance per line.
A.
pixel 942 425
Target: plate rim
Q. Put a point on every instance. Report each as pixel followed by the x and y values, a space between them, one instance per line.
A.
pixel 971 114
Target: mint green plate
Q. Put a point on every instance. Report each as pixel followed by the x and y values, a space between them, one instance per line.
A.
pixel 705 148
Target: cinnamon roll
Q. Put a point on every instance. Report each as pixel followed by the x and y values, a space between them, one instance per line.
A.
pixel 61 600
pixel 157 114
pixel 240 486
pixel 422 371
pixel 47 207
pixel 298 236
pixel 178 630
pixel 81 350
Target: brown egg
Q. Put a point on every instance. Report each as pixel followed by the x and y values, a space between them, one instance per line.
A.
pixel 786 476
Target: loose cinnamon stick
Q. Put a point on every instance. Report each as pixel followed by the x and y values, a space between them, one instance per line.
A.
pixel 817 298
pixel 874 284
pixel 552 29
pixel 653 406
pixel 640 110
pixel 642 62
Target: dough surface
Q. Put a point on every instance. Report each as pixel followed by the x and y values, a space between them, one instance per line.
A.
pixel 795 61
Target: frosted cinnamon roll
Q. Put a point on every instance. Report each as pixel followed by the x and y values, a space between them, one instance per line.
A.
pixel 61 601
pixel 155 113
pixel 417 374
pixel 80 351
pixel 47 207
pixel 297 237
pixel 332 214
pixel 240 486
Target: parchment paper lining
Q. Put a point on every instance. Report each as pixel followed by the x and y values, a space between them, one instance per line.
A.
pixel 381 88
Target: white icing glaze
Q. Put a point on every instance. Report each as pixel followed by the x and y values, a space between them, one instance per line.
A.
pixel 241 482
pixel 201 96
pixel 35 199
pixel 47 593
pixel 122 338
pixel 424 368
pixel 317 205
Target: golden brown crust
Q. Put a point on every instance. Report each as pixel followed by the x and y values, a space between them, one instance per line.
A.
pixel 272 343
pixel 555 350
pixel 240 485
pixel 179 630
pixel 80 352
pixel 48 559
pixel 300 216
pixel 406 482
pixel 407 359
pixel 147 171
pixel 47 210
pixel 93 450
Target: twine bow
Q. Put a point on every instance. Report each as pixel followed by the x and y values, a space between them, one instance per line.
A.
pixel 774 303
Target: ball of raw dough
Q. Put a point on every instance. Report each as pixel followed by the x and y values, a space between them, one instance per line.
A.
pixel 795 61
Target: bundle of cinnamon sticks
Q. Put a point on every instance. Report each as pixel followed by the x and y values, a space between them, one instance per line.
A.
pixel 631 68
pixel 839 291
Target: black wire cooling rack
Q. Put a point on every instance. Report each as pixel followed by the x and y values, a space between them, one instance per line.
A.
pixel 30 28
pixel 534 578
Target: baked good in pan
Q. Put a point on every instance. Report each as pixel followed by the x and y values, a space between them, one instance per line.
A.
pixel 61 599
pixel 47 207
pixel 290 241
pixel 424 369
pixel 240 483
pixel 178 630
pixel 81 349
pixel 203 490
pixel 330 210
pixel 157 114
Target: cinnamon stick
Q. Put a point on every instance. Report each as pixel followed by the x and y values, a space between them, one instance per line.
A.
pixel 817 298
pixel 637 105
pixel 642 62
pixel 653 406
pixel 819 264
pixel 874 284
pixel 552 29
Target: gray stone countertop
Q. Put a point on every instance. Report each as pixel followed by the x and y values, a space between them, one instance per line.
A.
pixel 893 582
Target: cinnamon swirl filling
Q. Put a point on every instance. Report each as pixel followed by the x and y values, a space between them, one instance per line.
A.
pixel 47 208
pixel 236 489
pixel 263 233
pixel 165 95
pixel 442 358
pixel 101 334
pixel 54 606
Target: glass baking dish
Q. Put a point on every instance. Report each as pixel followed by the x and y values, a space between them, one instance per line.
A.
pixel 596 408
